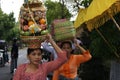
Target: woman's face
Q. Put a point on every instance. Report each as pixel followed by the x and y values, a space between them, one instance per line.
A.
pixel 35 57
pixel 67 48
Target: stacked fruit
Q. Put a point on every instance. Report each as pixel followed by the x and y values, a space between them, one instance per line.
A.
pixel 33 18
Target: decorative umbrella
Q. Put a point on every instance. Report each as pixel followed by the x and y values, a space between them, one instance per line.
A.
pixel 98 13
pixel 80 18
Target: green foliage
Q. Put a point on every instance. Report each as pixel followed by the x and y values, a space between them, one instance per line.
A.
pixel 14 32
pixel 101 52
pixel 94 67
pixel 99 47
pixel 54 11
pixel 86 3
pixel 7 22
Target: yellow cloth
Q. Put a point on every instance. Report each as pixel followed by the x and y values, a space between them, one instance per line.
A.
pixel 80 18
pixel 96 8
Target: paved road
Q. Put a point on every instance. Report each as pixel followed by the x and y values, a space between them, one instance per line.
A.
pixel 5 71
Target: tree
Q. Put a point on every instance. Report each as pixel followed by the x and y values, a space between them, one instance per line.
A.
pixel 86 3
pixel 54 11
pixel 14 32
pixel 7 22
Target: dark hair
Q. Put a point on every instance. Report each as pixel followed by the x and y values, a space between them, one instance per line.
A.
pixel 14 40
pixel 29 50
pixel 66 42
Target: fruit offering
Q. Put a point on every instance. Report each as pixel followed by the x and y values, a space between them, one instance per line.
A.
pixel 32 18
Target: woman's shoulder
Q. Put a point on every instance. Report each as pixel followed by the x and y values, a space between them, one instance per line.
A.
pixel 22 65
pixel 76 55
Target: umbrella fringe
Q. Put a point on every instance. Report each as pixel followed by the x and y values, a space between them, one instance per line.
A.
pixel 101 19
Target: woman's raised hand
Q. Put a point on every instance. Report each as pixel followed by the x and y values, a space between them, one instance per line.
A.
pixel 49 37
pixel 76 43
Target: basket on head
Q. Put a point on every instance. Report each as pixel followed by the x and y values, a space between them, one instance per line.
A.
pixel 63 27
pixel 33 41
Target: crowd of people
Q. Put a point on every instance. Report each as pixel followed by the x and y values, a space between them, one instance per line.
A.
pixel 51 60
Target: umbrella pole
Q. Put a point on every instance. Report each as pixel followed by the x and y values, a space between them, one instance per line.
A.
pixel 107 42
pixel 114 21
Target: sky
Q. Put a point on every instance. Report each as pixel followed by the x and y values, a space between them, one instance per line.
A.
pixel 8 6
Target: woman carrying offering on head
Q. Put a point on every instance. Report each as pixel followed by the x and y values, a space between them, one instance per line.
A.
pixel 68 71
pixel 34 70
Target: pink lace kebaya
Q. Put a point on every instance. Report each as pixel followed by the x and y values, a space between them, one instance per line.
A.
pixel 43 70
